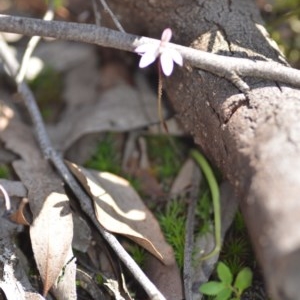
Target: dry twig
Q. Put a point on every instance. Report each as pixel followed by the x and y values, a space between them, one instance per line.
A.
pixel 189 234
pixel 96 13
pixel 222 66
pixel 112 15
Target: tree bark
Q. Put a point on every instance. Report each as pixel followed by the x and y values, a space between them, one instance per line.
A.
pixel 254 140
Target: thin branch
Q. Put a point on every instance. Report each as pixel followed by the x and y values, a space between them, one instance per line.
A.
pixel 96 13
pixel 6 198
pixel 217 64
pixel 31 46
pixel 239 83
pixel 43 139
pixel 189 234
pixel 112 15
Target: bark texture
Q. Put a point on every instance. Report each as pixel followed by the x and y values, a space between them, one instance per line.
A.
pixel 255 142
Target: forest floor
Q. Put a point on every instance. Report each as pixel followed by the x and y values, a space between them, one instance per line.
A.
pixel 101 113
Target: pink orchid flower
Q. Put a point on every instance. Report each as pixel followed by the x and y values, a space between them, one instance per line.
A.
pixel 167 56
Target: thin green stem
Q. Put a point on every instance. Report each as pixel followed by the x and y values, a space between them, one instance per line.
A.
pixel 214 189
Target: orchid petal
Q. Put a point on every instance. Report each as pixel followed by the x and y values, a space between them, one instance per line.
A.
pixel 148 58
pixel 166 35
pixel 144 48
pixel 176 56
pixel 167 63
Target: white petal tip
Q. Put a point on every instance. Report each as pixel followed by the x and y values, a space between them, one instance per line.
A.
pixel 176 56
pixel 166 35
pixel 166 63
pixel 147 59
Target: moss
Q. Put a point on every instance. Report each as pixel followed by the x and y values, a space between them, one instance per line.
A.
pixel 138 254
pixel 172 223
pixel 106 157
pixel 99 279
pixel 165 156
pixel 4 171
pixel 237 251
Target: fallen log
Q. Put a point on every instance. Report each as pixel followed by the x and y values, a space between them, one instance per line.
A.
pixel 254 139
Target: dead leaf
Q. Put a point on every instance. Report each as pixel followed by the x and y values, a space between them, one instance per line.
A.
pixel 19 216
pixel 136 163
pixel 8 228
pixel 119 109
pixel 51 238
pixel 14 188
pixel 64 56
pixel 52 229
pixel 82 234
pixel 6 157
pixel 173 125
pixel 150 186
pixel 112 73
pixel 166 278
pixel 64 288
pixel 84 148
pixel 119 209
pixel 184 179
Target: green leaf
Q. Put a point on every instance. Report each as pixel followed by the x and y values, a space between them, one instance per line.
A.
pixel 224 295
pixel 224 273
pixel 243 279
pixel 212 288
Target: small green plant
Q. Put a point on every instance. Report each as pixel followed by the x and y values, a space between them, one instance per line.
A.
pixel 172 223
pixel 227 288
pixel 138 254
pixel 235 264
pixel 105 157
pixel 99 279
pixel 4 171
pixel 164 157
